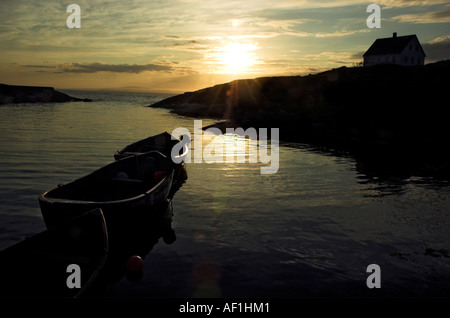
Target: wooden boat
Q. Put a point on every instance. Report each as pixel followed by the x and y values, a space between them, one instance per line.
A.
pixel 120 189
pixel 38 266
pixel 162 143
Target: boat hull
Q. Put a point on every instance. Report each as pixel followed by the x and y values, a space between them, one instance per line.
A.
pixel 58 205
pixel 163 143
pixel 57 211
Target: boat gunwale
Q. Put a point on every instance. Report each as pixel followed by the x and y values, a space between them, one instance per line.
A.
pixel 122 153
pixel 44 198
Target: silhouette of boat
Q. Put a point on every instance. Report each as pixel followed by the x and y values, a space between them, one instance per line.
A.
pixel 163 143
pixel 38 266
pixel 121 188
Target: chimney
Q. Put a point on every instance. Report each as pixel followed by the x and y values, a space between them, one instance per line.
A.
pixel 394 35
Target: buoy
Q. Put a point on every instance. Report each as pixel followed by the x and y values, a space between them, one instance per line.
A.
pixel 134 264
pixel 158 176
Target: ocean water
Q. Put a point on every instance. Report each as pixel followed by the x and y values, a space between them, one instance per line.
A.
pixel 309 230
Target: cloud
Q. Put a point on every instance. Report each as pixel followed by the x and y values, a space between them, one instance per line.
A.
pixel 340 33
pixel 429 17
pixel 333 57
pixel 37 66
pixel 100 67
pixel 409 3
pixel 188 45
pixel 437 50
pixel 115 68
pixel 357 55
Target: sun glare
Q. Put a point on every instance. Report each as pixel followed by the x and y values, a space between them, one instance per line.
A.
pixel 237 57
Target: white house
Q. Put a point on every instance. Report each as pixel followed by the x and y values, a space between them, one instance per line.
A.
pixel 402 50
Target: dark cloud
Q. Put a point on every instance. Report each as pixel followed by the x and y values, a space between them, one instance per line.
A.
pixel 437 51
pixel 164 66
pixel 357 55
pixel 100 67
pixel 441 14
pixel 191 44
pixel 115 68
pixel 37 66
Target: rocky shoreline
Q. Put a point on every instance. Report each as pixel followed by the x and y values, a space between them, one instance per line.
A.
pixel 13 94
pixel 385 109
pixel 377 105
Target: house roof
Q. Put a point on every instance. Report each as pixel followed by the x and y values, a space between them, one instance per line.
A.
pixel 393 45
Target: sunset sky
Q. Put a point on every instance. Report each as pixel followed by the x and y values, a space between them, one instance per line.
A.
pixel 184 45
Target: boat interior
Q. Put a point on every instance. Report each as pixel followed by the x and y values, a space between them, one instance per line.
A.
pixel 122 179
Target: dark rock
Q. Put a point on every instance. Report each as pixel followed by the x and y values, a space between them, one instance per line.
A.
pixel 34 94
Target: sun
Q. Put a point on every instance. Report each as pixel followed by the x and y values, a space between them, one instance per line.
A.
pixel 237 57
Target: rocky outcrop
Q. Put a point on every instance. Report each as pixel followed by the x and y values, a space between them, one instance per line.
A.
pixel 382 105
pixel 387 109
pixel 34 94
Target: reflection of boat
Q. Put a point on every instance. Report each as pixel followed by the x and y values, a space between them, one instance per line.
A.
pixel 138 235
pixel 120 189
pixel 162 143
pixel 38 266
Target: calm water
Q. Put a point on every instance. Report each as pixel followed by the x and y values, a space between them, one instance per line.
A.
pixel 309 230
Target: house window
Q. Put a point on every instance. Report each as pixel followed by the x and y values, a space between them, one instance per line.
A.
pixel 405 60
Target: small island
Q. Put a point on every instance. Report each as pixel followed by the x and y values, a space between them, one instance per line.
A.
pixel 13 94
